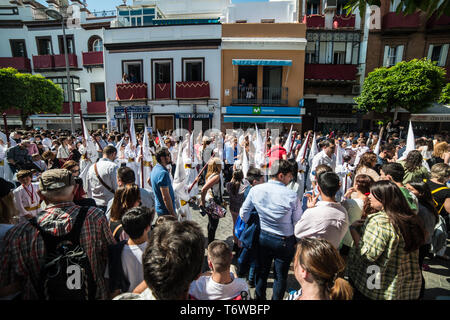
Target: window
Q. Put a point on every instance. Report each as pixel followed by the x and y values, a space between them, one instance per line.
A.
pixel 95 43
pixel 62 81
pixel 438 53
pixel 133 70
pixel 241 21
pixel 267 20
pixel 98 91
pixel 44 45
pixel 70 44
pixel 392 55
pixel 340 7
pixel 312 7
pixel 162 77
pixel 332 48
pixel 193 69
pixel 137 17
pixel 18 48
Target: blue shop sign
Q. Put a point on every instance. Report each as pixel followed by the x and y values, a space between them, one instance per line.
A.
pixel 259 110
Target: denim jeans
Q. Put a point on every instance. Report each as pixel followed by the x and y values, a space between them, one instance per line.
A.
pixel 278 249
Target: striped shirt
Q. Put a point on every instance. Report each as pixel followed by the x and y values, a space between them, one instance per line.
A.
pixel 382 248
pixel 24 247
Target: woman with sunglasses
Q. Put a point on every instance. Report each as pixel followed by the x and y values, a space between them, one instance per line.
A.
pixel 383 264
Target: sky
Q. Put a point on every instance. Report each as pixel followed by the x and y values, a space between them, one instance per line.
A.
pixel 99 5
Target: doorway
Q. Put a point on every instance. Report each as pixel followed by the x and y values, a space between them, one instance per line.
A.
pixel 272 83
pixel 163 123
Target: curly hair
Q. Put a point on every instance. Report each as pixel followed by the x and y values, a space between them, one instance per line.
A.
pixel 413 161
pixel 366 160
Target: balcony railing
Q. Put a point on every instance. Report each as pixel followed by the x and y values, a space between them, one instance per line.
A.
pixel 131 91
pixel 260 95
pixel 22 64
pixel 66 108
pixel 60 60
pixel 44 62
pixel 93 58
pixel 96 107
pixel 339 72
pixel 393 20
pixel 344 21
pixel 162 91
pixel 314 21
pixel 441 22
pixel 192 90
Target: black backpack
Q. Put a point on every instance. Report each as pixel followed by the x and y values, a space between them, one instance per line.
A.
pixel 65 269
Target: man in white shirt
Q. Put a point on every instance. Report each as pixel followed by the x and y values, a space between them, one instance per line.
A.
pixel 101 182
pixel 220 284
pixel 326 219
pixel 326 156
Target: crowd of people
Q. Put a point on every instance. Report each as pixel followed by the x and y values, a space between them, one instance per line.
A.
pixel 355 213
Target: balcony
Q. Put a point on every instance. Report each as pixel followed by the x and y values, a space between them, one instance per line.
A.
pixel 96 107
pixel 334 72
pixel 60 60
pixel 43 62
pixel 22 64
pixel 344 21
pixel 443 22
pixel 393 20
pixel 66 108
pixel 192 90
pixel 93 58
pixel 162 91
pixel 131 91
pixel 314 21
pixel 260 95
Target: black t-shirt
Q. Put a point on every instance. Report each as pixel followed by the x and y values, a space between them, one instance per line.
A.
pixel 439 196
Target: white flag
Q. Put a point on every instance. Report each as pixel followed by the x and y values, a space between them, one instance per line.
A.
pixel 245 164
pixel 410 142
pixel 288 143
pixel 180 188
pixel 377 147
pixel 132 132
pixel 314 149
pixel 302 152
pixel 161 142
pixel 147 161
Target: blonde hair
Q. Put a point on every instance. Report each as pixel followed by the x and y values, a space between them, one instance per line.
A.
pixel 439 149
pixel 325 264
pixel 440 172
pixel 214 167
pixel 8 209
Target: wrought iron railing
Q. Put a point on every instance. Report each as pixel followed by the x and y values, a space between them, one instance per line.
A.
pixel 260 95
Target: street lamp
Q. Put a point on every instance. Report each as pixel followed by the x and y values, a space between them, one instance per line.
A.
pixel 52 13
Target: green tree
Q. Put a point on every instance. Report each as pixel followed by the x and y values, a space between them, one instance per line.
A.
pixel 13 90
pixel 31 94
pixel 404 6
pixel 445 96
pixel 412 85
pixel 43 96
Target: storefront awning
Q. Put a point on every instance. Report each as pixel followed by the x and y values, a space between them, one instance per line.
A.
pixel 261 62
pixel 436 113
pixel 261 119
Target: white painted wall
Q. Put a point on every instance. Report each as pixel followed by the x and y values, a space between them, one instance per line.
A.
pixel 281 11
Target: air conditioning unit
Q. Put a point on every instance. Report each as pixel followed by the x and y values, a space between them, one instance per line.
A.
pixel 356 89
pixel 330 4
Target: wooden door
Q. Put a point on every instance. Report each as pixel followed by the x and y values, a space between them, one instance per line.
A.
pixel 163 123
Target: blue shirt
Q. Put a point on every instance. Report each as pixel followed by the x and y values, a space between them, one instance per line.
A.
pixel 160 177
pixel 230 154
pixel 278 207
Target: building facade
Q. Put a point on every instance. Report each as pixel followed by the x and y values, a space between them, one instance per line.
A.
pixel 172 65
pixel 32 42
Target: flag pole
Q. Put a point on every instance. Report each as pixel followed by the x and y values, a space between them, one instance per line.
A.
pixel 306 148
pixel 199 174
pixel 6 129
pixel 128 123
pixel 142 161
pixel 82 124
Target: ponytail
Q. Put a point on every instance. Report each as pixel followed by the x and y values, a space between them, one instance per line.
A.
pixel 341 290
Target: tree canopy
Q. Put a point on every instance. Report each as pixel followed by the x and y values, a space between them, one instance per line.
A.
pixel 31 94
pixel 412 85
pixel 445 96
pixel 404 6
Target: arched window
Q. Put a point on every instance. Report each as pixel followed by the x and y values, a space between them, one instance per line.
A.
pixel 95 43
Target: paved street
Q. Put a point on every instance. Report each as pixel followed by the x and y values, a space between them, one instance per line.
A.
pixel 437 279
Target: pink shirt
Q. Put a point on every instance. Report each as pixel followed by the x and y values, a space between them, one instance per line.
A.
pixel 327 220
pixel 32 149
